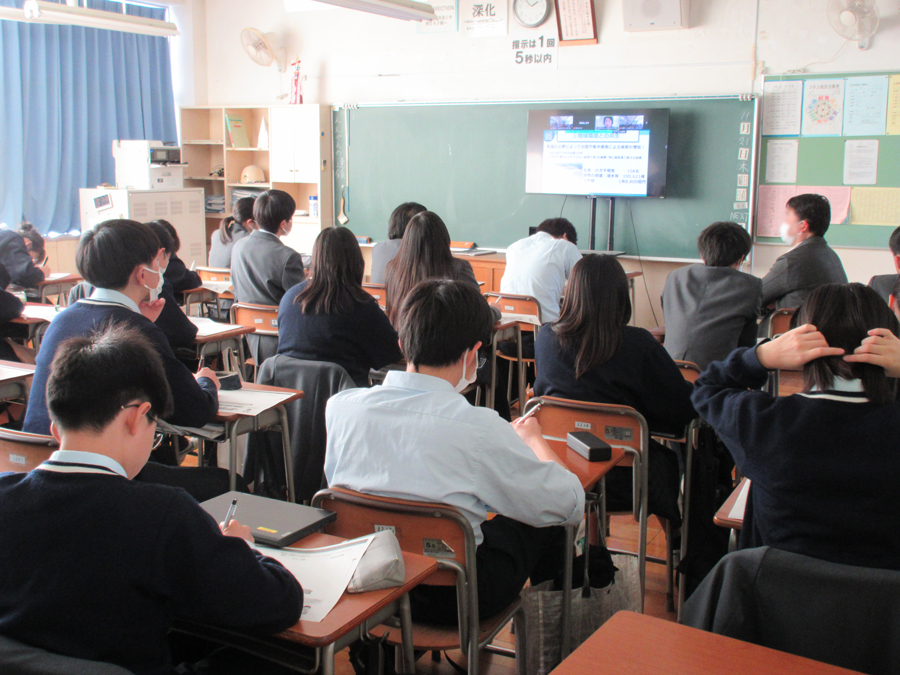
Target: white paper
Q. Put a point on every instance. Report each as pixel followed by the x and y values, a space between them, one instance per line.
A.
pixel 8 373
pixel 446 18
pixel 207 327
pixel 740 504
pixel 217 287
pixel 823 107
pixel 865 106
pixel 782 104
pixel 324 573
pixel 41 311
pixel 249 401
pixel 576 20
pixel 483 18
pixel 56 275
pixel 521 318
pixel 781 161
pixel 861 162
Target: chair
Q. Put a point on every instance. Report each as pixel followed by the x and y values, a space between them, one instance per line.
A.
pixel 263 319
pixel 419 526
pixel 209 299
pixel 213 273
pixel 21 659
pixel 779 324
pixel 529 309
pixel 377 291
pixel 620 426
pixel 21 452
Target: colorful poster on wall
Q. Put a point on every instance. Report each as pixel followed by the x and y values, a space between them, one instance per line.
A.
pixel 823 107
pixel 446 18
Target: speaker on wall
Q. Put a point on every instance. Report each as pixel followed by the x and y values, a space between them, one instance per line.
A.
pixel 655 14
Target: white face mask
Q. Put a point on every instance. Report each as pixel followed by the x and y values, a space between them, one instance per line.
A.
pixel 464 381
pixel 155 290
pixel 786 236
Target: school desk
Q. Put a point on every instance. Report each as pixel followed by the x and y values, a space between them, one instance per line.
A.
pixel 214 338
pixel 55 284
pixel 37 316
pixel 14 378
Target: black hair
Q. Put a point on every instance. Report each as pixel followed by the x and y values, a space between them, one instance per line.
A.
pixel 34 237
pixel 93 376
pixel 844 314
pixel 165 239
pixel 400 218
pixel 723 244
pixel 336 274
pixel 243 211
pixel 441 319
pixel 559 227
pixel 272 208
pixel 172 233
pixel 894 242
pixel 814 209
pixel 108 253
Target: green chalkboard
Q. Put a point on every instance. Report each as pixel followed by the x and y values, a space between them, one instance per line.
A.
pixel 466 162
pixel 820 161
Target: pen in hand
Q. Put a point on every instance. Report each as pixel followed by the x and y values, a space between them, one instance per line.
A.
pixel 230 515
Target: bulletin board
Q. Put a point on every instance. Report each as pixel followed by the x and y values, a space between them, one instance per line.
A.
pixel 868 113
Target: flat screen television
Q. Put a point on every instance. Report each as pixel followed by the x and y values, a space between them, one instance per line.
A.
pixel 603 153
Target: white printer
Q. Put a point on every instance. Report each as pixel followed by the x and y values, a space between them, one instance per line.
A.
pixel 148 165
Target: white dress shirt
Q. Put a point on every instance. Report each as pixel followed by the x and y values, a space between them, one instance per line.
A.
pixel 109 296
pixel 415 438
pixel 539 266
pixel 78 461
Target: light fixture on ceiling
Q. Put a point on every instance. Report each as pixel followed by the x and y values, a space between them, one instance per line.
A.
pixel 38 11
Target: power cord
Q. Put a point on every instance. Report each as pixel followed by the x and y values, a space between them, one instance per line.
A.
pixel 637 247
pixel 563 206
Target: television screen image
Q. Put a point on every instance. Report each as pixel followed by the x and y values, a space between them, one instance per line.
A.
pixel 614 153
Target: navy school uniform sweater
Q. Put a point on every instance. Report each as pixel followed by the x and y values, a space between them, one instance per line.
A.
pixel 196 401
pixel 824 466
pixel 181 278
pixel 357 340
pixel 96 566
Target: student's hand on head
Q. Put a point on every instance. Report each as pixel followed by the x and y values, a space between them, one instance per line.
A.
pixel 235 529
pixel 152 310
pixel 795 349
pixel 881 348
pixel 206 372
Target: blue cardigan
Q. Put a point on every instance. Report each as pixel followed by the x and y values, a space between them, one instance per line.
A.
pixel 196 401
pixel 824 466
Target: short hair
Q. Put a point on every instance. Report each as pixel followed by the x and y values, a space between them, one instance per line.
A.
pixel 108 253
pixel 27 230
pixel 165 239
pixel 844 314
pixel 441 319
pixel 894 242
pixel 814 209
pixel 172 233
pixel 93 376
pixel 723 244
pixel 557 227
pixel 272 208
pixel 400 218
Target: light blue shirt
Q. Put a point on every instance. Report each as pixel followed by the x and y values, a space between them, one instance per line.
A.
pixel 415 438
pixel 109 295
pixel 90 458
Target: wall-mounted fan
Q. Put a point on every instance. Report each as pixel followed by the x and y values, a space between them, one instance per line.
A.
pixel 263 49
pixel 854 20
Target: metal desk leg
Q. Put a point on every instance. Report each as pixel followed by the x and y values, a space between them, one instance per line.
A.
pixel 522 385
pixel 286 449
pixel 567 591
pixel 328 660
pixel 602 512
pixel 231 429
pixel 489 395
pixel 406 635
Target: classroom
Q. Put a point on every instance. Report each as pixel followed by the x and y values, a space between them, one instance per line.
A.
pixel 390 336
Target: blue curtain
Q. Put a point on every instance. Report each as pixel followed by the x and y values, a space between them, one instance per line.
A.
pixel 66 93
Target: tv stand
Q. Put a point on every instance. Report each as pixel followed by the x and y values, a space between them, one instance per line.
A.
pixel 610 235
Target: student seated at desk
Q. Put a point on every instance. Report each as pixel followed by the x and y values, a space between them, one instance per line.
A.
pixel 11 308
pixel 824 464
pixel 116 560
pixel 711 309
pixel 176 273
pixel 883 284
pixel 15 257
pixel 233 228
pixel 416 438
pixel 810 263
pixel 385 251
pixel 120 259
pixel 34 243
pixel 329 317
pixel 592 354
pixel 263 269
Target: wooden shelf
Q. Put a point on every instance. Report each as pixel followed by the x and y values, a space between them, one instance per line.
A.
pixel 247 149
pixel 204 178
pixel 263 186
pixel 201 142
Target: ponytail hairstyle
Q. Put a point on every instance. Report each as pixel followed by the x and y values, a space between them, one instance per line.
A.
pixel 243 213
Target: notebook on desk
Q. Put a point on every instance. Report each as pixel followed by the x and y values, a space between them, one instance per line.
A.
pixel 272 522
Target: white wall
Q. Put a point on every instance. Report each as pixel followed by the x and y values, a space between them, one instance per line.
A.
pixel 350 57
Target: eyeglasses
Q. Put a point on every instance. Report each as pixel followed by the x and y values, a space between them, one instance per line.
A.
pixel 158 436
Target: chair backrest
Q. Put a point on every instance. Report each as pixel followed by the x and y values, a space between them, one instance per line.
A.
pixel 780 322
pixel 619 425
pixel 377 291
pixel 516 304
pixel 689 370
pixel 213 273
pixel 21 452
pixel 261 318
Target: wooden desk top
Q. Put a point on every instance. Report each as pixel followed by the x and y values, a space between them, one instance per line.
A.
pixel 233 417
pixel 723 517
pixel 232 332
pixel 354 608
pixel 641 645
pixel 12 371
pixel 67 279
pixel 588 472
pixel 38 309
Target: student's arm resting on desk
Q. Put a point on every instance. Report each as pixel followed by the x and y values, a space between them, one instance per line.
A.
pixel 21 267
pixel 665 394
pixel 515 483
pixel 220 580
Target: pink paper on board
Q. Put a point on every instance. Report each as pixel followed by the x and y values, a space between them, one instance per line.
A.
pixel 772 199
pixel 838 196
